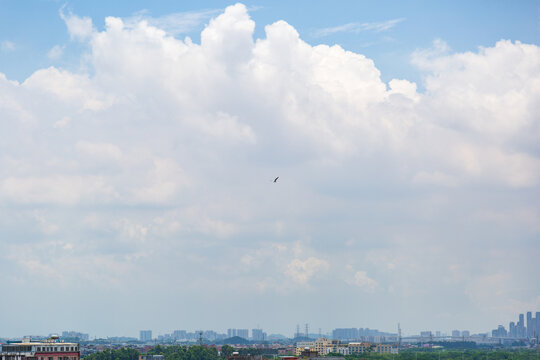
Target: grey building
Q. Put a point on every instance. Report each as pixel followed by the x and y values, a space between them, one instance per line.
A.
pixel 145 335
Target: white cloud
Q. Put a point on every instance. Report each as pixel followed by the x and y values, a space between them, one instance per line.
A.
pixel 175 23
pixel 162 182
pixel 63 122
pixel 172 143
pixel 363 281
pixel 99 150
pixel 79 28
pixel 434 178
pixel 56 52
pixel 302 271
pixel 357 27
pixel 58 189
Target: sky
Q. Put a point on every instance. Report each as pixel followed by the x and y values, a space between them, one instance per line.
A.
pixel 139 142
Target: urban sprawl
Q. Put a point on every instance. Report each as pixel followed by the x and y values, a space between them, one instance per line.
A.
pixel 72 345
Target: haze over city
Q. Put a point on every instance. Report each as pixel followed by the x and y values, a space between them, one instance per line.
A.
pixel 139 143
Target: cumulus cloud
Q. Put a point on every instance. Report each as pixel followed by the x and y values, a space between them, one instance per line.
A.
pixel 363 281
pixel 301 271
pixel 79 28
pixel 175 144
pixel 58 189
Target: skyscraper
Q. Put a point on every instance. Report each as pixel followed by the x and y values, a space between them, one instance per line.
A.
pixel 530 329
pixel 521 326
pixel 537 324
pixel 512 329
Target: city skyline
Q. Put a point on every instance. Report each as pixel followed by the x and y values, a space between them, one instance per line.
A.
pixel 139 143
pixel 519 329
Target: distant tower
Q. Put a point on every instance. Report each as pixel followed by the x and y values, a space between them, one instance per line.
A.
pixel 200 338
pixel 529 325
pixel 537 326
pixel 320 334
pixel 307 330
pixel 521 326
pixel 399 335
pixel 297 331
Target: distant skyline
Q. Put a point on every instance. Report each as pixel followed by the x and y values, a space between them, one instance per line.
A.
pixel 139 142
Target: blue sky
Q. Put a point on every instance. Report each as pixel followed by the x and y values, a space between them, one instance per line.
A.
pixel 35 26
pixel 139 141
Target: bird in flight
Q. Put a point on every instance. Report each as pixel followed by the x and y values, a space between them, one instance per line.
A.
pixel 275 180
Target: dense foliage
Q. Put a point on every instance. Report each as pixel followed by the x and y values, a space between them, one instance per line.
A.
pixel 181 352
pixel 433 354
pixel 121 354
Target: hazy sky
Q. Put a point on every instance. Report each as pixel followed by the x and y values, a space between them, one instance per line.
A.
pixel 139 141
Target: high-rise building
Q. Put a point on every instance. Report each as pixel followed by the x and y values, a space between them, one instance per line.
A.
pixel 465 333
pixel 512 329
pixel 521 326
pixel 537 324
pixel 530 328
pixel 243 333
pixel 345 334
pixel 179 334
pixel 499 332
pixel 257 335
pixel 145 335
pixel 456 333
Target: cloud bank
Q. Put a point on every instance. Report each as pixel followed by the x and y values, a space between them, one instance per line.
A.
pixel 155 169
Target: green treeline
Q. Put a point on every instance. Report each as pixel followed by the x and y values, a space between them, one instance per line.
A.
pixel 121 354
pixel 181 352
pixel 451 355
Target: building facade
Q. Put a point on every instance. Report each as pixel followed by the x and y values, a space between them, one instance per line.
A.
pixel 145 335
pixel 50 349
pixel 358 348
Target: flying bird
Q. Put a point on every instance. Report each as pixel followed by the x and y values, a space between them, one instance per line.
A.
pixel 275 180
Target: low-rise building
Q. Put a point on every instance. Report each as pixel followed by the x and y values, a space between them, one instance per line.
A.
pixel 304 345
pixel 50 349
pixel 151 357
pixel 361 347
pixel 337 349
pixel 385 349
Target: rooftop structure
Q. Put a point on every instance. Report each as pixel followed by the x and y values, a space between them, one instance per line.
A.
pixel 50 349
